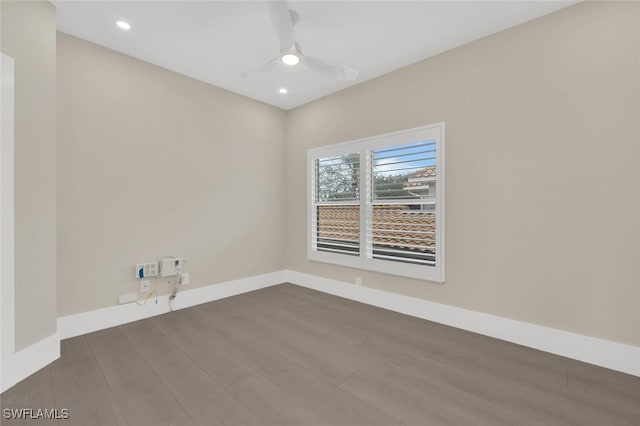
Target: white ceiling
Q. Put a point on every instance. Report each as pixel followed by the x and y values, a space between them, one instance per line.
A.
pixel 217 42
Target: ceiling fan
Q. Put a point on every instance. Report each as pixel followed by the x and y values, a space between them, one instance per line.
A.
pixel 283 20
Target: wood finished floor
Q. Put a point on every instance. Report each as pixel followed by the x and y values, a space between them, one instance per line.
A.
pixel 286 355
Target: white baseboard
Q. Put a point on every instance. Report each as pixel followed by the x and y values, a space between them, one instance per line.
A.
pixel 604 353
pixel 87 322
pixel 29 360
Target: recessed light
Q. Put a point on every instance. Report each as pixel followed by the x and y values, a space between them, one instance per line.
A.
pixel 290 59
pixel 283 90
pixel 123 25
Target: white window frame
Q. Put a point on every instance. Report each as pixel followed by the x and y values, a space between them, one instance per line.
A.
pixel 364 147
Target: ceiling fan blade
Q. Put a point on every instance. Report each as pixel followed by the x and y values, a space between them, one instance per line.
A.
pixel 295 17
pixel 347 73
pixel 338 72
pixel 281 19
pixel 263 67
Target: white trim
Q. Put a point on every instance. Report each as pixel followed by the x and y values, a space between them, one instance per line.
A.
pixel 341 146
pixel 87 322
pixel 29 360
pixel 7 243
pixel 608 354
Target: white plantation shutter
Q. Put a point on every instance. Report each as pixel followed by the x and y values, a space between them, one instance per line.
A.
pixel 401 217
pixel 378 203
pixel 335 199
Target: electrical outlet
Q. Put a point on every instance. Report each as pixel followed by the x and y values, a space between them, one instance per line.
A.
pixel 144 286
pixel 358 282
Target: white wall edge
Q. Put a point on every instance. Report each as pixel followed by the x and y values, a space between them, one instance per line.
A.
pixel 604 353
pixel 7 237
pixel 99 319
pixel 29 360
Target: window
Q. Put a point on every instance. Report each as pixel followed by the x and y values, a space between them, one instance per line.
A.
pixel 378 203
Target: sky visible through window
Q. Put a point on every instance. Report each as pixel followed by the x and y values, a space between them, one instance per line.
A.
pixel 404 159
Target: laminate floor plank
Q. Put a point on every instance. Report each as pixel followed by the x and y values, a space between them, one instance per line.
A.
pixel 537 406
pixel 390 351
pixel 609 396
pixel 158 408
pixel 33 393
pixel 237 305
pixel 362 321
pixel 547 364
pixel 517 373
pixel 124 368
pixel 217 327
pixel 587 377
pixel 333 403
pixel 273 405
pixel 474 409
pixel 253 328
pixel 305 303
pixel 422 343
pixel 400 404
pixel 535 380
pixel 321 342
pixel 204 399
pixel 499 348
pixel 324 325
pixel 111 341
pixel 207 353
pixel 230 331
pixel 147 338
pixel 82 389
pixel 324 301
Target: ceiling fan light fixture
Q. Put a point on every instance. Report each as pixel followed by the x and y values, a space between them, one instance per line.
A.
pixel 124 25
pixel 290 59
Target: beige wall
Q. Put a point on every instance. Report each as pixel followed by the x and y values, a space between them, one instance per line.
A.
pixel 542 173
pixel 29 37
pixel 151 164
pixel 542 204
